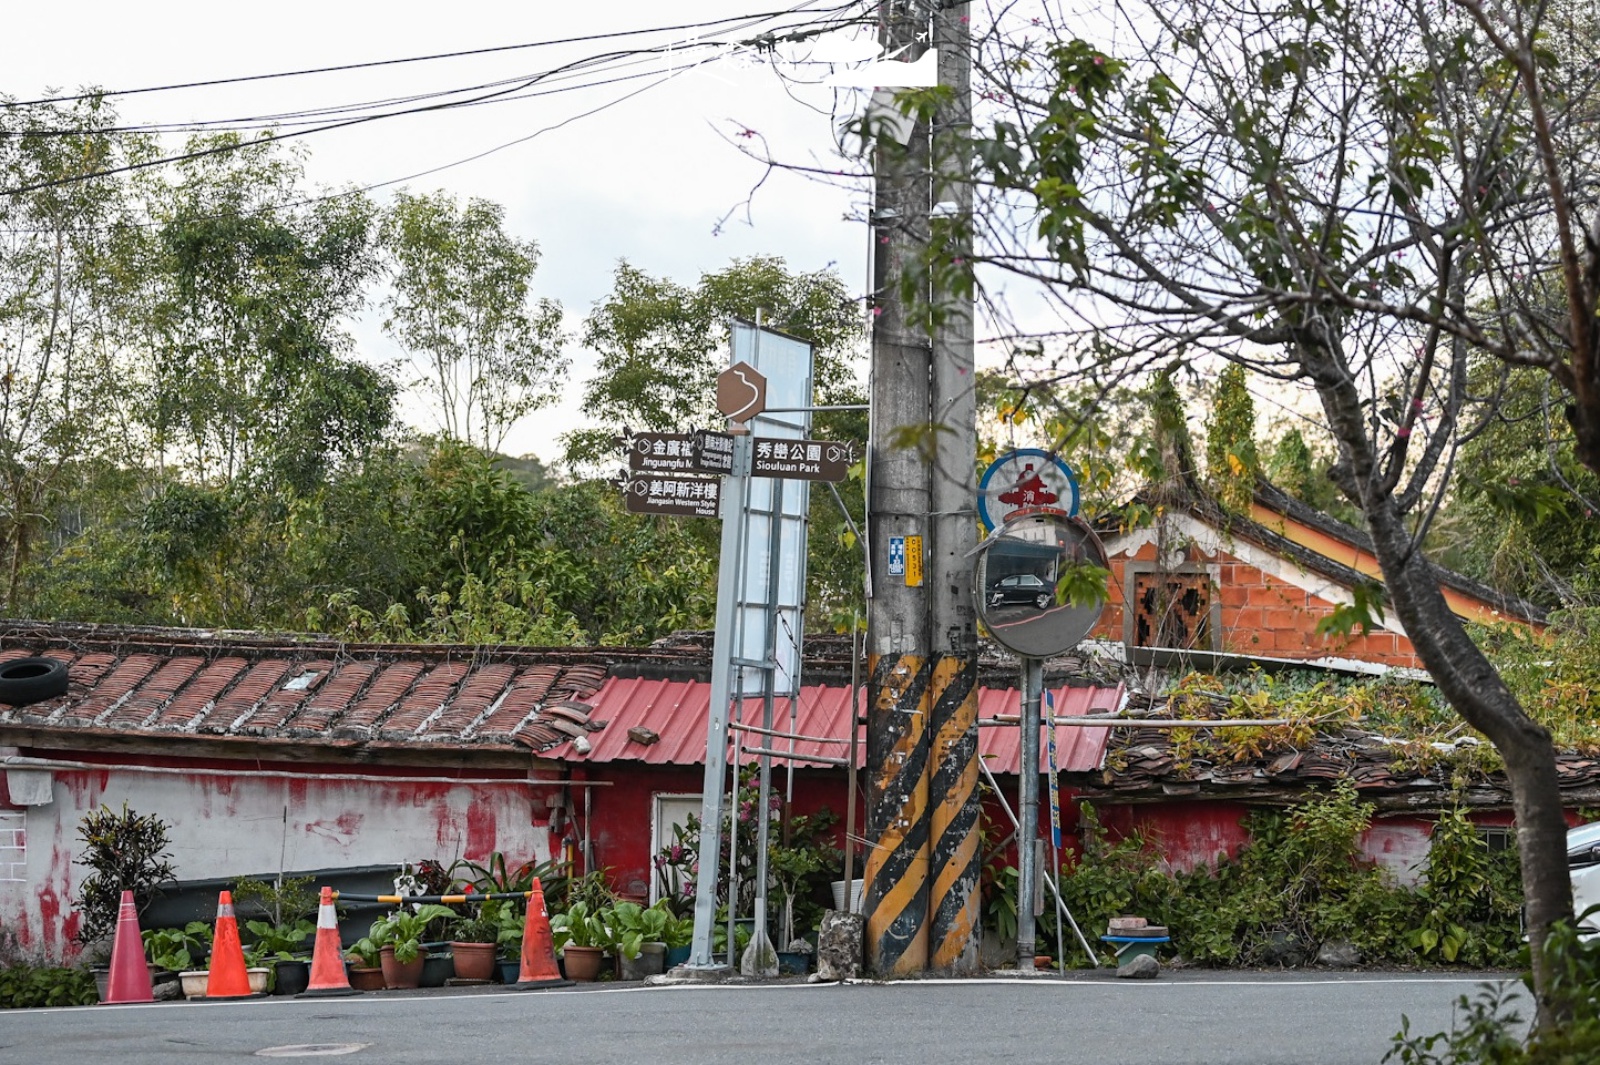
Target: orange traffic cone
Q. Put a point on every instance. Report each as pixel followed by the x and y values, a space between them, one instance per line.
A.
pixel 228 978
pixel 328 978
pixel 538 948
pixel 130 975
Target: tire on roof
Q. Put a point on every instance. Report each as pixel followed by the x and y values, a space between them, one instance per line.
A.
pixel 32 680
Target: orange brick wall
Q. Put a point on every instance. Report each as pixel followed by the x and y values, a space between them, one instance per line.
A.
pixel 1262 615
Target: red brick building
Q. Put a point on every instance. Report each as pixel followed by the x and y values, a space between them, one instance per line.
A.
pixel 1202 579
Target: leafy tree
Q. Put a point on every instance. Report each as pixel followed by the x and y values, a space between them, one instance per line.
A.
pixel 1231 463
pixel 1355 199
pixel 461 305
pixel 240 299
pixel 660 345
pixel 58 386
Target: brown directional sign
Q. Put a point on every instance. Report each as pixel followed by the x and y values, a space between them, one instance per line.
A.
pixel 741 392
pixel 802 460
pixel 661 452
pixel 684 495
pixel 713 452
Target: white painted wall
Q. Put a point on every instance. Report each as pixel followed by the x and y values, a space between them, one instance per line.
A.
pixel 224 826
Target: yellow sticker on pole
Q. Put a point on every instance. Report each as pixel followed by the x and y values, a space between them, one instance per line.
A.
pixel 913 562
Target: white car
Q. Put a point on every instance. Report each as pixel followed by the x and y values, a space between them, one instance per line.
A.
pixel 1583 859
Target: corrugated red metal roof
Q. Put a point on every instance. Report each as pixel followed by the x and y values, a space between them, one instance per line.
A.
pixel 676 712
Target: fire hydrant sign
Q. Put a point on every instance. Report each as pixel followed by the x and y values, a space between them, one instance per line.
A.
pixel 1025 482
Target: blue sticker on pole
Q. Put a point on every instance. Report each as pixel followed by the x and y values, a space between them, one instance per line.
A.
pixel 897 556
pixel 1026 481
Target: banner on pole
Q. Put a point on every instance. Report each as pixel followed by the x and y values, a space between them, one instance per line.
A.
pixel 1055 784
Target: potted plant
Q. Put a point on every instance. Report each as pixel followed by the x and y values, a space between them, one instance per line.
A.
pixel 284 947
pixel 581 937
pixel 366 972
pixel 398 937
pixel 678 935
pixel 177 949
pixel 175 952
pixel 639 936
pixel 126 851
pixel 474 940
pixel 508 941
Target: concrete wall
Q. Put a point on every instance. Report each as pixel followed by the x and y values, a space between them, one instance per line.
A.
pixel 227 826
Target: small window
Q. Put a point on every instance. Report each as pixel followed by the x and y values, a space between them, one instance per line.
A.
pixel 1172 610
pixel 1498 838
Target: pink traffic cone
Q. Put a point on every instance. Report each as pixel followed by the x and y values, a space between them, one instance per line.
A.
pixel 130 974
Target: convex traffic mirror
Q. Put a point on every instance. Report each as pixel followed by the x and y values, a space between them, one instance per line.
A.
pixel 1041 584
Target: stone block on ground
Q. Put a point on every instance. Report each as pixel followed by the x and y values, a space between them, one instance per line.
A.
pixel 1339 954
pixel 1139 967
pixel 839 945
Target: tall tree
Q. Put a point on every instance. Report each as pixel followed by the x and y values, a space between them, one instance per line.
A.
pixel 58 391
pixel 660 344
pixel 243 295
pixel 1353 198
pixel 488 354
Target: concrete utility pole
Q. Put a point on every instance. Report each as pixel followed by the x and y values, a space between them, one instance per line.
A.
pixel 953 902
pixel 922 870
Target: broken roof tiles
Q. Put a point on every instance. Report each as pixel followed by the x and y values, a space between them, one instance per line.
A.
pixel 438 697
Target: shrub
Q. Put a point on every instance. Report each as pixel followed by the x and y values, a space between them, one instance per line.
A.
pixel 28 986
pixel 128 852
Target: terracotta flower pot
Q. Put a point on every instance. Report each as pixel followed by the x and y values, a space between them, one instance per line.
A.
pixel 583 963
pixel 401 974
pixel 363 978
pixel 474 961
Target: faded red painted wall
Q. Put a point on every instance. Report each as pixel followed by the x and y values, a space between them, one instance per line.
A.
pixel 1261 615
pixel 1185 834
pixel 623 812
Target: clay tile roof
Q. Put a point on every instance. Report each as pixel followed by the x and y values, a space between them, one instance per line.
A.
pixel 180 684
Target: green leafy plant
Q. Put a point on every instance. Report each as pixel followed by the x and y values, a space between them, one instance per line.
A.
pixel 127 852
pixel 283 901
pixel 509 921
pixel 476 928
pixel 32 986
pixel 404 929
pixel 592 890
pixel 284 942
pixel 178 949
pixel 364 952
pixel 1489 1029
pixel 579 926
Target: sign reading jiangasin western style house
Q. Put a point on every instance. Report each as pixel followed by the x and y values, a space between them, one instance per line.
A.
pixel 684 495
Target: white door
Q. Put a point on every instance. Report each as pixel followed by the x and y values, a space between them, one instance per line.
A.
pixel 671 812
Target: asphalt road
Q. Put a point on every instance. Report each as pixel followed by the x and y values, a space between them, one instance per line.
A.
pixel 1085 1019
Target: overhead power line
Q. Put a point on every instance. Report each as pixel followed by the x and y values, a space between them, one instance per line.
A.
pixel 100 94
pixel 517 89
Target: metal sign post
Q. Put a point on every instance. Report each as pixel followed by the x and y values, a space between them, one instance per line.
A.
pixel 705 896
pixel 1017 584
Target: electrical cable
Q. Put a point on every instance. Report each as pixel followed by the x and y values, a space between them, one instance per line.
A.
pixel 220 149
pixel 411 59
pixel 628 57
pixel 502 93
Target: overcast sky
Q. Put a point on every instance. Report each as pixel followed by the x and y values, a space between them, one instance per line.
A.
pixel 647 179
